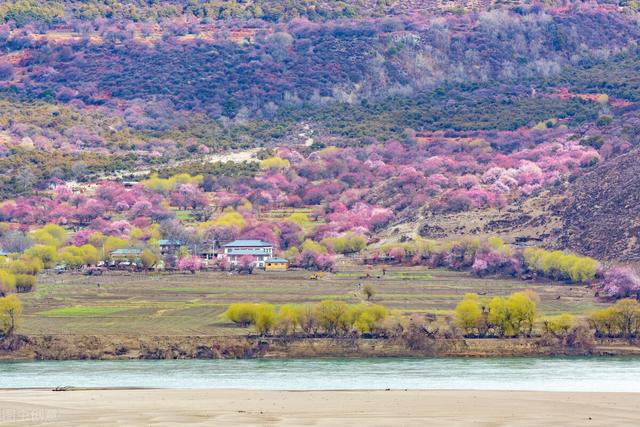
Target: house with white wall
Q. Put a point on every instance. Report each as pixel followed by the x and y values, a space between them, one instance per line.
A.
pixel 259 250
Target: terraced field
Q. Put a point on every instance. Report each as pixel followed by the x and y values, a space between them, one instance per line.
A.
pixel 185 304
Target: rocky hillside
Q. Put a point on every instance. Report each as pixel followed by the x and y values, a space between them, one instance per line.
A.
pixel 601 214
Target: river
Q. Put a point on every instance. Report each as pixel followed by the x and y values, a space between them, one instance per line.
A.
pixel 544 374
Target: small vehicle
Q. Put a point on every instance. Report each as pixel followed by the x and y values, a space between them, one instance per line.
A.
pixel 59 269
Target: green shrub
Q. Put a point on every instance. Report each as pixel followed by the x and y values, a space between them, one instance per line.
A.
pixel 468 313
pixel 265 318
pixel 7 282
pixel 332 317
pixel 366 318
pixel 288 319
pixel 561 265
pixel 241 314
pixel 559 325
pixel 623 319
pixel 513 315
pixel 347 244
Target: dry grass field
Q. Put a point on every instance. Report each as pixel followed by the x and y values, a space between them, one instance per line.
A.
pixel 186 304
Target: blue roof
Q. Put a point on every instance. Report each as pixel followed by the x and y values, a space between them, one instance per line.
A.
pixel 247 243
pixel 276 260
pixel 257 252
pixel 165 242
pixel 126 251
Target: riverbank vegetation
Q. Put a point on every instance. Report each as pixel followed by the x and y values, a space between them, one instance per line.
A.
pixel 516 315
pixel 10 313
pixel 499 316
pixel 510 316
pixel 328 318
pixel 620 320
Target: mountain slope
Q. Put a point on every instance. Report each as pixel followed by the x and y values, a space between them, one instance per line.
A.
pixel 601 214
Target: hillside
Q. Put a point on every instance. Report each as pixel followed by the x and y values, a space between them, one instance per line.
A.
pixel 595 214
pixel 326 128
pixel 601 213
pixel 118 94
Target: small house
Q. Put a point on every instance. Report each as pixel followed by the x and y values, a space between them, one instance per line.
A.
pixel 169 247
pixel 276 264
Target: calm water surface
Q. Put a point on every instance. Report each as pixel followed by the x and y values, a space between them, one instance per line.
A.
pixel 547 374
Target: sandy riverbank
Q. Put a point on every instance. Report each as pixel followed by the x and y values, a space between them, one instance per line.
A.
pixel 322 408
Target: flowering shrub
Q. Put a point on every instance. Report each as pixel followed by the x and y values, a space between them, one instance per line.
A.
pixel 397 253
pixel 314 260
pixel 493 257
pixel 190 263
pixel 621 282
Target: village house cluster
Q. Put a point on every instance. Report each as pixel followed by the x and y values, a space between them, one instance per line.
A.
pixel 237 253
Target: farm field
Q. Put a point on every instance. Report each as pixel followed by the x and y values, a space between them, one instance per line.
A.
pixel 185 304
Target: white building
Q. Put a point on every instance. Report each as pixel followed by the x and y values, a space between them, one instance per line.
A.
pixel 258 249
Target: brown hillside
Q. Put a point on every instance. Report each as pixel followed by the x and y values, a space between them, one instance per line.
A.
pixel 531 221
pixel 601 213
